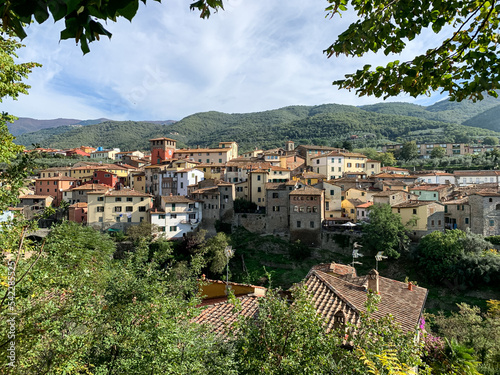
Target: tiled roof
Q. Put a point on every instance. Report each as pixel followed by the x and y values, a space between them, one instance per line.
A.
pixel 413 204
pixel 487 194
pixel 430 187
pixel 348 294
pixel 221 315
pixel 176 199
pixel 80 205
pixel 476 173
pixel 306 190
pixel 388 193
pixel 33 196
pixel 58 178
pixel 120 193
pixel 365 205
pixel 88 187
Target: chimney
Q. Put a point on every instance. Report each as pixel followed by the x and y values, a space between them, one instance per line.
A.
pixel 410 286
pixel 373 283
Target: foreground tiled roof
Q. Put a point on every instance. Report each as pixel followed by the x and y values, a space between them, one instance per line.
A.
pixel 221 315
pixel 331 294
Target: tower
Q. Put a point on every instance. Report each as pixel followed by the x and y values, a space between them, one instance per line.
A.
pixel 162 149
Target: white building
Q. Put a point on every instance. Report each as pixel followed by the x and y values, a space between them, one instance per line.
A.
pixel 177 216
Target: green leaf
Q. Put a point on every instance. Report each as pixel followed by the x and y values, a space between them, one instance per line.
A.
pixel 130 10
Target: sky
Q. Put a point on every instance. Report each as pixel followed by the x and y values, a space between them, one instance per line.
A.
pixel 168 63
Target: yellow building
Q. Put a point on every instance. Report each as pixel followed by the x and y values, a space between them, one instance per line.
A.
pixel 421 217
pixel 212 171
pixel 117 209
pixel 361 194
pixel 372 167
pixel 138 182
pixel 257 186
pixel 224 153
pixel 354 162
pixel 309 178
pixel 86 172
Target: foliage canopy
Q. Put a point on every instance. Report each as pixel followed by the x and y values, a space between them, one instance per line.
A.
pixel 464 65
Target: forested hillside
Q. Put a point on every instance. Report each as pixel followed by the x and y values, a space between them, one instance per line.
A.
pixel 328 124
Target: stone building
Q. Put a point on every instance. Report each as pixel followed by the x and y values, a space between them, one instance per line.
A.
pixel 306 215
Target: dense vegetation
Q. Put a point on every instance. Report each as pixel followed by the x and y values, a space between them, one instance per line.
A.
pixel 328 125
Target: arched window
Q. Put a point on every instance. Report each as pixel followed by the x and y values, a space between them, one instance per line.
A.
pixel 498 206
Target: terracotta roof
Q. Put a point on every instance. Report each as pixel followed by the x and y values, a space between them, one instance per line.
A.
pixel 487 194
pixel 355 202
pixel 79 205
pixel 197 150
pixel 33 196
pixel 476 173
pixel 222 314
pixel 163 138
pixel 306 190
pixel 394 183
pixel 176 199
pixel 58 178
pixel 413 204
pixel 121 192
pixel 365 205
pixel 280 169
pixel 88 187
pixel 387 193
pixel 348 294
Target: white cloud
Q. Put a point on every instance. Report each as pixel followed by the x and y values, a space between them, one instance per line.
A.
pixel 168 63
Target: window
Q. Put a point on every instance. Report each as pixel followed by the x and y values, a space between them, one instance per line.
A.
pixel 100 199
pixel 173 216
pixel 118 218
pixel 332 192
pixel 173 206
pixel 492 223
pixel 466 220
pixel 118 209
pixel 161 217
pixel 259 189
pixel 172 229
pixel 432 222
pixel 118 199
pixel 349 165
pixel 142 209
pixel 299 224
pixel 414 211
pixel 100 219
pixel 129 219
pixel 296 208
pixel 311 224
pixel 258 177
pixel 275 195
pixel 100 209
pixel 129 209
pixel 129 199
pixel 141 219
pixel 276 208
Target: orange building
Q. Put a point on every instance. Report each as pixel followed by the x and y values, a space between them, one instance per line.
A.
pixel 162 149
pixel 54 186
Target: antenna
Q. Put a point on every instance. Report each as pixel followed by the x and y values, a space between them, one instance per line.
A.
pixel 378 258
pixel 356 254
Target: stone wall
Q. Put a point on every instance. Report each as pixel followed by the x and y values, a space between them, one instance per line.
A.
pixel 255 223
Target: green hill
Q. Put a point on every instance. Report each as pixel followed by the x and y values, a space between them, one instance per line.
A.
pixel 486 120
pixel 327 124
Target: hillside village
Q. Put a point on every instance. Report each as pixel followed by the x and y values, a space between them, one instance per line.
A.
pixel 297 192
